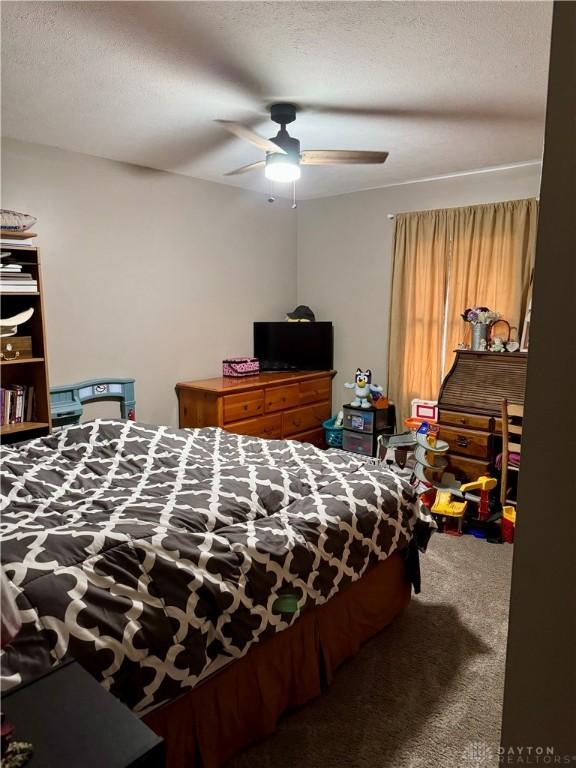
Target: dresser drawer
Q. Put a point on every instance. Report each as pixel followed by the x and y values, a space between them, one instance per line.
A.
pixel 236 407
pixel 314 436
pixel 466 469
pixel 269 427
pixel 315 391
pixel 280 398
pixel 470 420
pixel 304 419
pixel 467 442
pixel 358 443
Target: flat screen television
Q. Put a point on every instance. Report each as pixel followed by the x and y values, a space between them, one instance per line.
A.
pixel 294 346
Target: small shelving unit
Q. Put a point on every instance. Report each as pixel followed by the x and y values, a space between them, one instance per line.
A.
pixel 31 371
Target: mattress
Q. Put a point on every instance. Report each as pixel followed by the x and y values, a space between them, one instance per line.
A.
pixel 155 556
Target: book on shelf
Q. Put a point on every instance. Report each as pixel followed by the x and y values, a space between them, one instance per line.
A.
pixel 16 277
pixel 28 286
pixel 16 233
pixel 16 404
pixel 17 281
pixel 10 243
pixel 9 269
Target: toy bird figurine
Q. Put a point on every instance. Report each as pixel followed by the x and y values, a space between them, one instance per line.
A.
pixel 363 388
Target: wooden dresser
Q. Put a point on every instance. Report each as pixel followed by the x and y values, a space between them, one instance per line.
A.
pixel 270 405
pixel 469 407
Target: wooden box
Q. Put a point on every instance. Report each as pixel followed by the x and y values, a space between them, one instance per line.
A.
pixel 16 347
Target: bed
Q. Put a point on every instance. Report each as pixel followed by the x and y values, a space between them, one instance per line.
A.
pixel 156 557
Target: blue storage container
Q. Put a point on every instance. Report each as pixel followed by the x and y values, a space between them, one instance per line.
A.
pixel 333 434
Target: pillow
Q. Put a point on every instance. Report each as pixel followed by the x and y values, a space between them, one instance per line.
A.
pixel 16 222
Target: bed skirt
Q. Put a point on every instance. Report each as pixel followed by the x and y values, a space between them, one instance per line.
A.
pixel 242 703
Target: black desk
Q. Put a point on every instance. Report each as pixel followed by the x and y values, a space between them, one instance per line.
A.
pixel 73 721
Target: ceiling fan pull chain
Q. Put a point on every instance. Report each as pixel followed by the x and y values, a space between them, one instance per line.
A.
pixel 270 198
pixel 294 205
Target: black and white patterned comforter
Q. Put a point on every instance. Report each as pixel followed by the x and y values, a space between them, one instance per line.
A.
pixel 153 555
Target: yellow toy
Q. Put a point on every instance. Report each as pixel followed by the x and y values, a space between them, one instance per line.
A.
pixel 430 470
pixel 443 505
pixel 484 484
pixel 508 523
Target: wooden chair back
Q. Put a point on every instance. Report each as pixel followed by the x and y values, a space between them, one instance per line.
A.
pixel 512 422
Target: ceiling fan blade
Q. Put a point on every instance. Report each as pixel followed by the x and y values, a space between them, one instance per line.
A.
pixel 246 168
pixel 249 135
pixel 341 157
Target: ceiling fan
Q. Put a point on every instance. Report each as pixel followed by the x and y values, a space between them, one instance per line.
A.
pixel 283 155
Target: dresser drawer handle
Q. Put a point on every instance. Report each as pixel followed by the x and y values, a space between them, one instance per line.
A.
pixel 462 441
pixel 296 422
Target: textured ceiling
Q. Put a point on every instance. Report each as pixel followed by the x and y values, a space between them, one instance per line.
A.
pixel 443 87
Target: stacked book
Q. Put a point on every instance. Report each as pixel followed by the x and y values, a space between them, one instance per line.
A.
pixel 13 279
pixel 17 239
pixel 16 404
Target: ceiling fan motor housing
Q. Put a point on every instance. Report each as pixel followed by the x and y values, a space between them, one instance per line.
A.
pixel 283 113
pixel 289 145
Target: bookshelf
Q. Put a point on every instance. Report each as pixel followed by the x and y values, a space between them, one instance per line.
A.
pixel 27 371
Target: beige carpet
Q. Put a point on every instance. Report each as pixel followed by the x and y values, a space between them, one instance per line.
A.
pixel 427 691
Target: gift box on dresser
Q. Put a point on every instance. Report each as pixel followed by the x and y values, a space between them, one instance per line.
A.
pixel 237 367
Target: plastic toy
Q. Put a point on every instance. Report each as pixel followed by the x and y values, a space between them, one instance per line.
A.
pixel 508 523
pixel 287 602
pixel 429 469
pixel 430 464
pixel 66 402
pixel 484 484
pixel 444 505
pixel 396 452
pixel 363 388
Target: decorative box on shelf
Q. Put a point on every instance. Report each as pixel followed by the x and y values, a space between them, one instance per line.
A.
pixel 16 348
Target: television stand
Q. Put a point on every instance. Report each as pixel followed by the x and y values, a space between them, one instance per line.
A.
pixel 269 367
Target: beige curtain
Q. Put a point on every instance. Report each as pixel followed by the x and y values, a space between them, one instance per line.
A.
pixel 491 260
pixel 446 261
pixel 418 307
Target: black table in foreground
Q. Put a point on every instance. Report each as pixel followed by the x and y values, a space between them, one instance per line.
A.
pixel 73 721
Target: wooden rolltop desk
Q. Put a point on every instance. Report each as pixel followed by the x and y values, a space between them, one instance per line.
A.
pixel 469 407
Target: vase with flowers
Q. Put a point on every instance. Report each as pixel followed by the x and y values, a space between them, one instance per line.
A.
pixel 480 318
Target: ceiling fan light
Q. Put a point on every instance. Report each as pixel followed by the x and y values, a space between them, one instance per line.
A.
pixel 281 168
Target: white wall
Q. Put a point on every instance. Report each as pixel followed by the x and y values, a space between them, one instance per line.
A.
pixel 160 276
pixel 148 274
pixel 345 257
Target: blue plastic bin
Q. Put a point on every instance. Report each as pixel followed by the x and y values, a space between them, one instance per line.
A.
pixel 333 434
